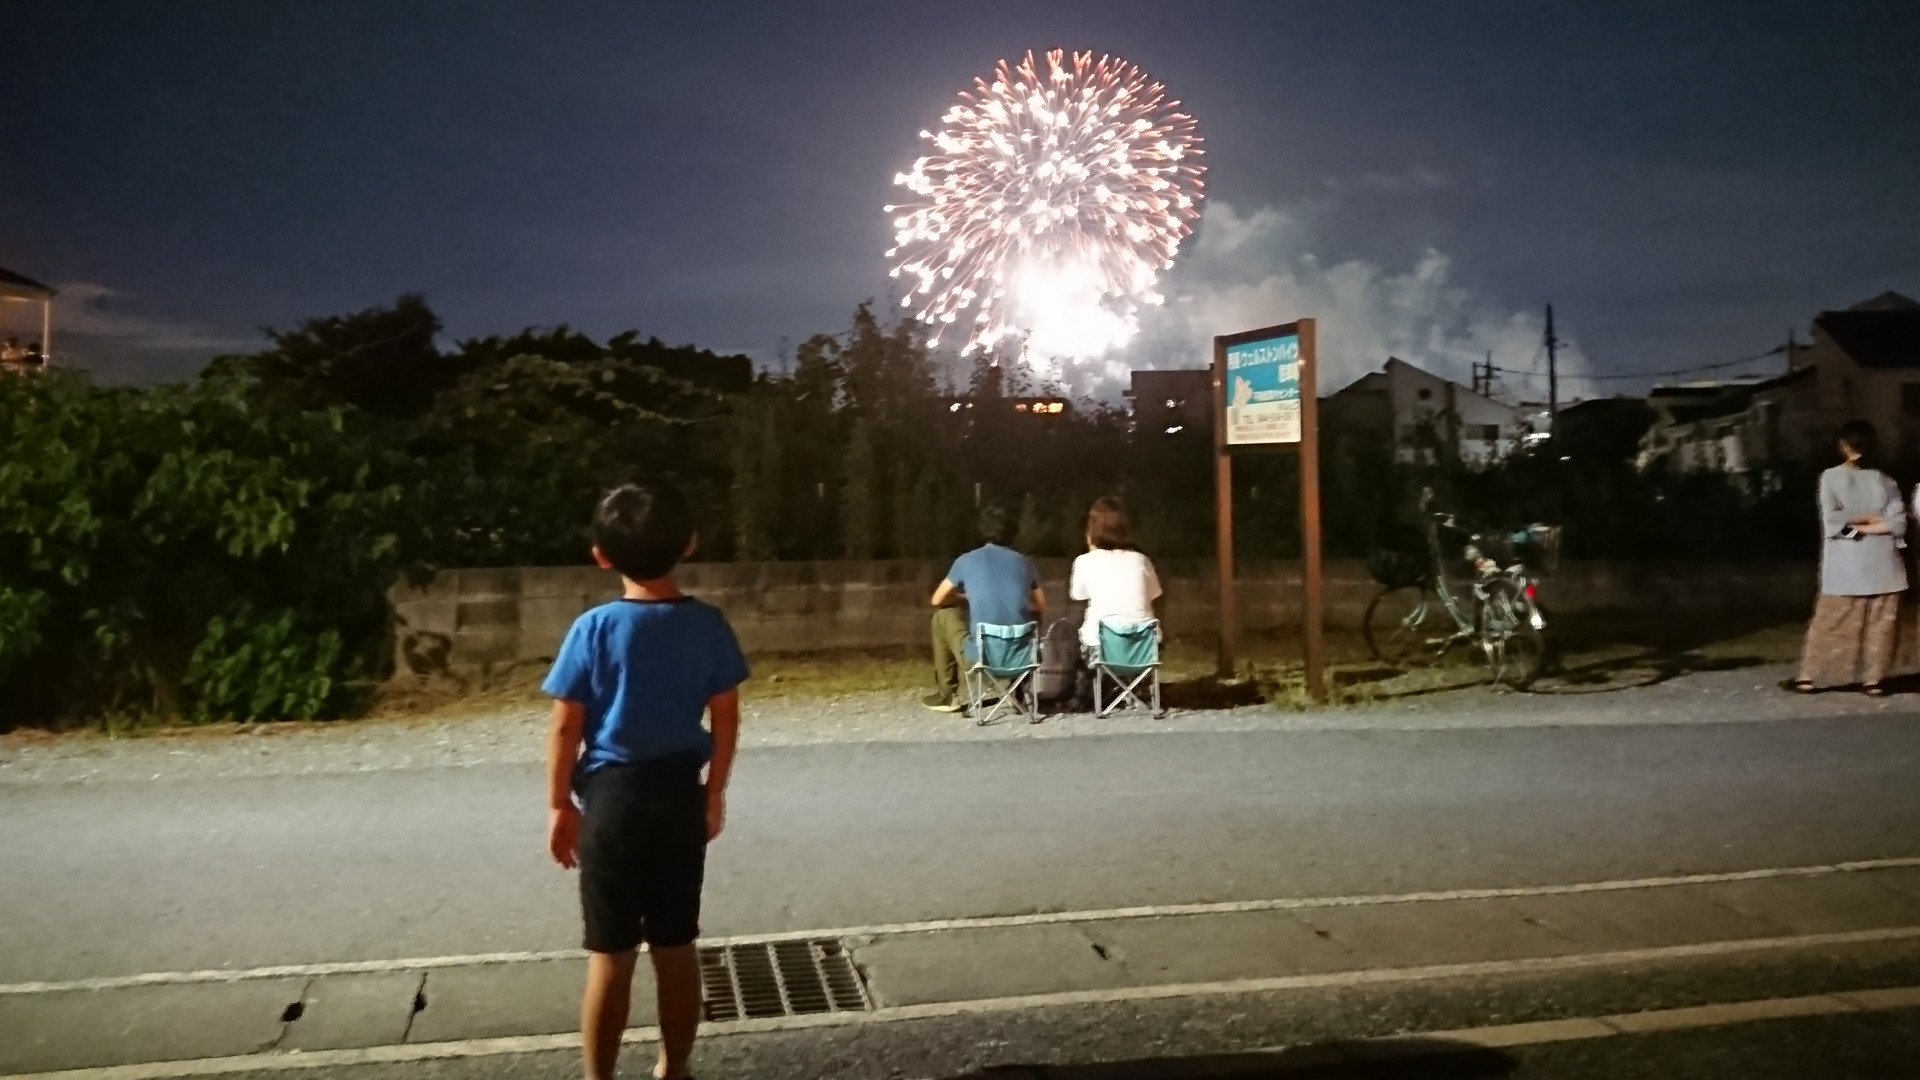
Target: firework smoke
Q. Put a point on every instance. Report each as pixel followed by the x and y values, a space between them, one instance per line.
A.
pixel 1048 204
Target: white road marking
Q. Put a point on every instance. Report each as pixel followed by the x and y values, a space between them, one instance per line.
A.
pixel 1505 1035
pixel 1157 911
pixel 1686 1019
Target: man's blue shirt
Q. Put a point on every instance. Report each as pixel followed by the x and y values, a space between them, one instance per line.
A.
pixel 999 584
pixel 644 670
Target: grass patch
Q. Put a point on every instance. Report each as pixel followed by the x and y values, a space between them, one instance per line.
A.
pixel 1597 651
pixel 840 672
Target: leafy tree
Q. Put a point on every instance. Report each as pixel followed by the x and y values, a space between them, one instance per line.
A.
pixel 899 500
pixel 755 447
pixel 1032 534
pixel 384 360
pixel 857 517
pixel 180 551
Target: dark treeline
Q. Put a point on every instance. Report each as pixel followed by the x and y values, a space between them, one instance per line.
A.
pixel 221 548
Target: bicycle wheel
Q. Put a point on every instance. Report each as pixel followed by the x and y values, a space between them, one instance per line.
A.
pixel 1396 626
pixel 1515 648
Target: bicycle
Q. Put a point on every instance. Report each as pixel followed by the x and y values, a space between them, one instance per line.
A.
pixel 1498 610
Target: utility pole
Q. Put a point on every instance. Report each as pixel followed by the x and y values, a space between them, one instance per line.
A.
pixel 1553 377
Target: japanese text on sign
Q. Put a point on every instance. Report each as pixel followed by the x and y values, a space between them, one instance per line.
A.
pixel 1263 391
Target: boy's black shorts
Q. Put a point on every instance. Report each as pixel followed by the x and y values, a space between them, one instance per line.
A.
pixel 643 854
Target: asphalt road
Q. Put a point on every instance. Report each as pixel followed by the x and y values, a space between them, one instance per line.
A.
pixel 118 878
pixel 129 875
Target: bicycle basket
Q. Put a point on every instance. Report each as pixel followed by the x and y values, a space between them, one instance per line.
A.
pixel 1538 547
pixel 1399 568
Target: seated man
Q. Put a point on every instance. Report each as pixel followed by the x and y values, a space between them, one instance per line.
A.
pixel 999 586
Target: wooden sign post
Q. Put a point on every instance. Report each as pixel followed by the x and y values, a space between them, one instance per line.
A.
pixel 1265 396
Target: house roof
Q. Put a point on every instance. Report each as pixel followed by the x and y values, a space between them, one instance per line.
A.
pixel 1623 403
pixel 1688 404
pixel 1876 338
pixel 22 287
pixel 1373 382
pixel 1740 400
pixel 1685 403
pixel 1887 301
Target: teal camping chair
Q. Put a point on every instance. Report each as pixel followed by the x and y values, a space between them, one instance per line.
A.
pixel 1005 655
pixel 1128 657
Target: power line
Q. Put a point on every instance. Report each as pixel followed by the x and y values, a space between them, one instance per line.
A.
pixel 1677 372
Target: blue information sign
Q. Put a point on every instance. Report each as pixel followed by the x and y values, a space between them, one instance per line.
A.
pixel 1263 391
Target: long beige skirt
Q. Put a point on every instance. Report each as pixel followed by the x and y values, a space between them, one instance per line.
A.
pixel 1855 640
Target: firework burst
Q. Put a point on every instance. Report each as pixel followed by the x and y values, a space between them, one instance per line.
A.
pixel 1048 203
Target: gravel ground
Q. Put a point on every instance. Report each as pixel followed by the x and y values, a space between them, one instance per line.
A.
pixel 513 733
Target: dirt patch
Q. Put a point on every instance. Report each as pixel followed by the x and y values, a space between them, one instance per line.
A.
pixel 1596 653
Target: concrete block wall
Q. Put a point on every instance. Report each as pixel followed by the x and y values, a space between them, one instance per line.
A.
pixel 473 620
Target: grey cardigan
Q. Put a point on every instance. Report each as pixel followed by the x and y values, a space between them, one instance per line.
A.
pixel 1866 565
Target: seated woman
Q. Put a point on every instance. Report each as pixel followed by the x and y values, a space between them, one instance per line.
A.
pixel 1116 581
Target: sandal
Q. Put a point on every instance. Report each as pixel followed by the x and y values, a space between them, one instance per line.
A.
pixel 1874 690
pixel 1799 686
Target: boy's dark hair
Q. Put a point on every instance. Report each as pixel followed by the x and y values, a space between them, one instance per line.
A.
pixel 1108 526
pixel 995 526
pixel 1860 435
pixel 643 529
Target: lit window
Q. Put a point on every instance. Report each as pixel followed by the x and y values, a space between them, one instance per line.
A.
pixel 1176 429
pixel 1173 403
pixel 955 407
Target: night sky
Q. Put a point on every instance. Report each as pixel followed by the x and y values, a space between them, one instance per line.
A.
pixel 1684 182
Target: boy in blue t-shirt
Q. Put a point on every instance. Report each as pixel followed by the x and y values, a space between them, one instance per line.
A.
pixel 630 686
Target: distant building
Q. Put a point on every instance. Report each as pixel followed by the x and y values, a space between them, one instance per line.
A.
pixel 1739 428
pixel 1422 414
pixel 30 355
pixel 1172 402
pixel 973 406
pixel 1867 365
pixel 1863 363
pixel 1609 428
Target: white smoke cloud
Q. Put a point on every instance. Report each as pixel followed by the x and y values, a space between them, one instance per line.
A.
pixel 1248 270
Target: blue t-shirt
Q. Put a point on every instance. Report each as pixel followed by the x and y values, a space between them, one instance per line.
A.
pixel 999 584
pixel 644 669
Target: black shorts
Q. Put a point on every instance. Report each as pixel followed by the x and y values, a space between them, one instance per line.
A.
pixel 643 854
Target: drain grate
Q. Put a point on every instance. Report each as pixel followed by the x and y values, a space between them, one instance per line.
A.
pixel 781 978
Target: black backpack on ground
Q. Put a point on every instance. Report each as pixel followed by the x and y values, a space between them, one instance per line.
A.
pixel 1059 661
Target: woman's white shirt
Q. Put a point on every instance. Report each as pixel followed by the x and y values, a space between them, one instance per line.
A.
pixel 1117 585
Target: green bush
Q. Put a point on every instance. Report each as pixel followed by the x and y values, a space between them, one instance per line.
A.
pixel 155 544
pixel 222 549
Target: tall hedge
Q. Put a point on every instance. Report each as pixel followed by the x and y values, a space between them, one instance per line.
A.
pixel 180 551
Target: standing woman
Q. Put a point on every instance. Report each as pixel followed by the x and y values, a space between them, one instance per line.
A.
pixel 1855 625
